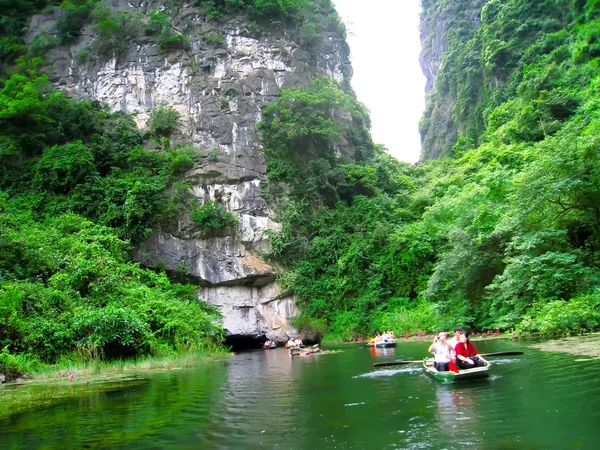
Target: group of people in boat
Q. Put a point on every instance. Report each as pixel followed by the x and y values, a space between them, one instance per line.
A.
pixel 269 344
pixel 455 353
pixel 294 343
pixel 386 336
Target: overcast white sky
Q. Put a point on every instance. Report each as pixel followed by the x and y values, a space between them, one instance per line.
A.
pixel 384 42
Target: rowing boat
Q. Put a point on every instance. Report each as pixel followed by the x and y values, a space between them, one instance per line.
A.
pixel 382 345
pixel 462 375
pixel 305 351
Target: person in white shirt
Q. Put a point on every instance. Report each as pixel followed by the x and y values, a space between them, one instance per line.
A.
pixel 455 339
pixel 442 352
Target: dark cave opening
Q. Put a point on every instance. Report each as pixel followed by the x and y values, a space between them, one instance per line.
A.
pixel 239 343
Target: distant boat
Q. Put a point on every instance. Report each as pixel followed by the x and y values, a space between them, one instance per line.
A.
pixel 462 375
pixel 382 344
pixel 297 351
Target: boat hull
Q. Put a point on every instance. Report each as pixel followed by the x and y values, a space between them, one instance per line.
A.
pixel 463 375
pixel 383 345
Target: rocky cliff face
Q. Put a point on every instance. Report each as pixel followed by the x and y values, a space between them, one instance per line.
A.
pixel 219 91
pixel 438 17
pixel 443 22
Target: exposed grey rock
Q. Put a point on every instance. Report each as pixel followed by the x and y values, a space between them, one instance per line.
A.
pixel 219 260
pixel 254 311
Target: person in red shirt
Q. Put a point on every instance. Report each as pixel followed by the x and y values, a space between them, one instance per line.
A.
pixel 466 354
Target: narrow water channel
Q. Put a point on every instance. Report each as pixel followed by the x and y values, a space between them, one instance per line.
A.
pixel 266 399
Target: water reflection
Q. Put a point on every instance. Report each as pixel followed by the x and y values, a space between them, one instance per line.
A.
pixel 457 411
pixel 381 352
pixel 258 397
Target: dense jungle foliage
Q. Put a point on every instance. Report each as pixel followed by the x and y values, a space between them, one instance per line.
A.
pixel 503 232
pixel 76 190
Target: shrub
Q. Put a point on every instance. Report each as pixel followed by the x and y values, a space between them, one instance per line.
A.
pixel 41 43
pixel 214 39
pixel 163 121
pixel 315 328
pixel 410 319
pixel 159 22
pixel 73 15
pixel 167 40
pixel 112 331
pixel 558 317
pixel 173 41
pixel 207 65
pixel 213 216
pixel 84 56
pixel 62 167
pixel 115 32
pixel 15 365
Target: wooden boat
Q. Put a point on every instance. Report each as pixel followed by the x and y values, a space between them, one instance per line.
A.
pixel 462 375
pixel 295 351
pixel 270 348
pixel 382 345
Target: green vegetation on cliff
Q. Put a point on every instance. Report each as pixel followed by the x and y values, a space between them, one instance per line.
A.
pixel 503 232
pixel 76 188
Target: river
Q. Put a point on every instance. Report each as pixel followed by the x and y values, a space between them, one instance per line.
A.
pixel 266 399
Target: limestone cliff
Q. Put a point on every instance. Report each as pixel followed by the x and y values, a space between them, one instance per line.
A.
pixel 219 88
pixel 443 21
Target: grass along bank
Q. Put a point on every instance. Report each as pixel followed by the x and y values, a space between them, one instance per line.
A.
pixel 60 382
pixel 96 370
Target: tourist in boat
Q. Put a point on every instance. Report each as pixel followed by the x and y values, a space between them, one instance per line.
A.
pixel 454 340
pixel 378 339
pixel 388 336
pixel 466 354
pixel 442 352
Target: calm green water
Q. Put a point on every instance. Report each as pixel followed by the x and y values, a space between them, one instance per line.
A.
pixel 265 399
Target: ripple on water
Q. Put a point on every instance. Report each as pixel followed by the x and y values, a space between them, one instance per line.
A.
pixel 387 372
pixel 504 361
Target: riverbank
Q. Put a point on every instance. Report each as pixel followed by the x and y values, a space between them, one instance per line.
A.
pixel 422 337
pixel 88 371
pixel 587 345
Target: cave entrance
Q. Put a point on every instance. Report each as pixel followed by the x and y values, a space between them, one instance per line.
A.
pixel 239 343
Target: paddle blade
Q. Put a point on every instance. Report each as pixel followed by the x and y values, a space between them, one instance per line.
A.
pixel 502 354
pixel 391 363
pixel 395 363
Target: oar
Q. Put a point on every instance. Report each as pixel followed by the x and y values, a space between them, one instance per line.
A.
pixel 398 363
pixel 395 363
pixel 502 354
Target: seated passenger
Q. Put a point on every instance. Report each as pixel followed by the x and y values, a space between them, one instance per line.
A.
pixel 454 340
pixel 466 354
pixel 442 352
